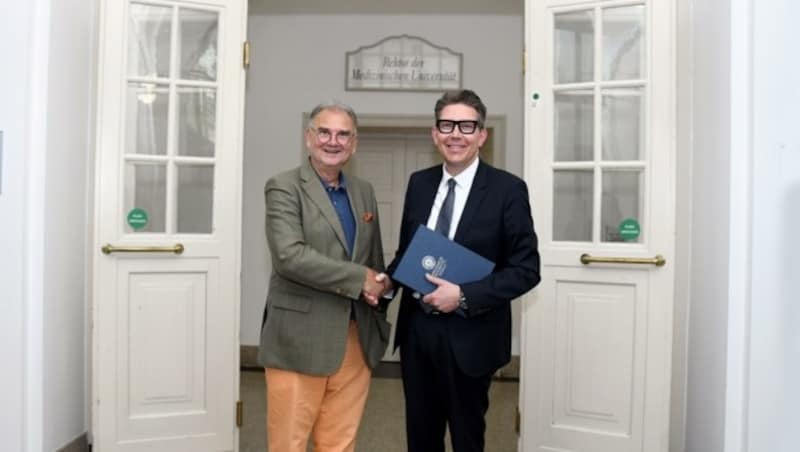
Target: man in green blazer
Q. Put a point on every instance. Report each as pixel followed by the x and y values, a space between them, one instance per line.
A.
pixel 323 332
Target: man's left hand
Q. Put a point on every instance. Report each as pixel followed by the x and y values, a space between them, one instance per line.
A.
pixel 445 297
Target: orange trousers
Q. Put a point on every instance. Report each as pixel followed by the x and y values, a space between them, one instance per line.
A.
pixel 327 408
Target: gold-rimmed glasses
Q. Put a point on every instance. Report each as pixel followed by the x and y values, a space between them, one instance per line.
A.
pixel 324 135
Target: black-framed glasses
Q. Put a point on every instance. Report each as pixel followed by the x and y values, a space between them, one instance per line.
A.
pixel 343 137
pixel 448 126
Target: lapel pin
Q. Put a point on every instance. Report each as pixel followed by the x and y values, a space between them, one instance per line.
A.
pixel 368 216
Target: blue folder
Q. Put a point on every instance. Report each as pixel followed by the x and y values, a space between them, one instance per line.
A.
pixel 431 252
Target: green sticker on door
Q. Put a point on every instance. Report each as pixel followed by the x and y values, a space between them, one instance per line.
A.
pixel 137 218
pixel 629 229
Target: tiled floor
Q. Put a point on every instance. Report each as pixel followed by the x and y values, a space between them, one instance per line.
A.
pixel 383 426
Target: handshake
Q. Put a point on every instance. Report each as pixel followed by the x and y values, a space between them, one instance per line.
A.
pixel 376 285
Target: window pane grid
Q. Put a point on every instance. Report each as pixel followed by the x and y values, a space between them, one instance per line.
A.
pixel 172 111
pixel 615 37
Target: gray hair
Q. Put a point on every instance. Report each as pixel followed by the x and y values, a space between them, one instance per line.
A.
pixel 333 105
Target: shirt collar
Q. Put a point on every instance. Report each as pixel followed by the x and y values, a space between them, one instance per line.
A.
pixel 463 179
pixel 329 187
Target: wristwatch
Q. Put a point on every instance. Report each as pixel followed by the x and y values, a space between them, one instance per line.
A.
pixel 462 302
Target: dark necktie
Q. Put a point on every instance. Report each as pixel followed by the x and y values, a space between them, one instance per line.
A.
pixel 446 212
pixel 442 227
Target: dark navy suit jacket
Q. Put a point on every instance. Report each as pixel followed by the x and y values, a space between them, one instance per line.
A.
pixel 497 224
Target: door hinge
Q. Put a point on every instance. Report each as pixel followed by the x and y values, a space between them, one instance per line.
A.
pixel 524 61
pixel 239 413
pixel 517 421
pixel 246 54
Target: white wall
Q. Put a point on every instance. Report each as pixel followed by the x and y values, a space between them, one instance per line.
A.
pixel 267 7
pixel 710 204
pixel 773 394
pixel 15 42
pixel 45 117
pixel 66 218
pixel 745 162
pixel 298 61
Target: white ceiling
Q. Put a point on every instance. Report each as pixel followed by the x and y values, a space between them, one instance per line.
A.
pixel 455 7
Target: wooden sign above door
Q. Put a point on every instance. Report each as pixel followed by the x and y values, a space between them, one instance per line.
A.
pixel 403 63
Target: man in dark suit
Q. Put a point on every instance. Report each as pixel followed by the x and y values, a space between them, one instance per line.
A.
pixel 321 334
pixel 453 339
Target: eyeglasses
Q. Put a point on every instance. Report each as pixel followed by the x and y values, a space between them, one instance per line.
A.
pixel 343 137
pixel 448 126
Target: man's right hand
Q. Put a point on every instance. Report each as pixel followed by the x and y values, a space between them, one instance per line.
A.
pixel 375 285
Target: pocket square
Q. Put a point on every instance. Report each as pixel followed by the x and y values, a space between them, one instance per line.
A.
pixel 367 217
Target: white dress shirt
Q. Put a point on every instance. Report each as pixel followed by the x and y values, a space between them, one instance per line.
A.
pixel 463 184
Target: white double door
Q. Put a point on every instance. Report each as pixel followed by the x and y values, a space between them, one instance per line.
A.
pixel 599 160
pixel 597 332
pixel 167 227
pixel 386 161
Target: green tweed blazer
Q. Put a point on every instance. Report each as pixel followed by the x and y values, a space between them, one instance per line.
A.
pixel 314 283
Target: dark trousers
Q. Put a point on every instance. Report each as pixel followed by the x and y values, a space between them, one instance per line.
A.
pixel 437 393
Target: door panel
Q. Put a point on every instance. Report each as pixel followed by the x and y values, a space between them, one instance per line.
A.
pixel 168 219
pixel 167 386
pixel 596 336
pixel 595 352
pixel 421 153
pixel 381 161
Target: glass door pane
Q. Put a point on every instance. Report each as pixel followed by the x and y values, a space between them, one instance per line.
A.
pixel 574 126
pixel 149 38
pixel 573 205
pixel 198 46
pixel 195 198
pixel 623 43
pixel 196 121
pixel 621 205
pixel 146 118
pixel 145 195
pixel 623 124
pixel 574 47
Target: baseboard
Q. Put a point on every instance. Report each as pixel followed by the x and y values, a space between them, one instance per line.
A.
pixel 248 358
pixel 510 371
pixel 249 361
pixel 387 369
pixel 79 444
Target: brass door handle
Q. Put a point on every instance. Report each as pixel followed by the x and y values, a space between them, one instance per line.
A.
pixel 658 260
pixel 109 248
